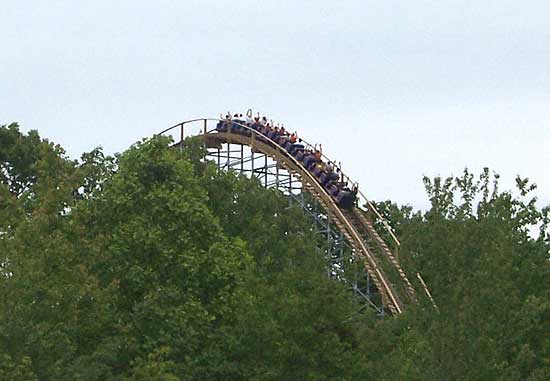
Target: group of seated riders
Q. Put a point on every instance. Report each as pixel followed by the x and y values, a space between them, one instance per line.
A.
pixel 328 175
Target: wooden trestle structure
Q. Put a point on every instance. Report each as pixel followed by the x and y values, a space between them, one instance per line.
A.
pixel 355 227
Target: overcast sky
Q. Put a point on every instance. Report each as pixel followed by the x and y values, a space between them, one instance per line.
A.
pixel 393 89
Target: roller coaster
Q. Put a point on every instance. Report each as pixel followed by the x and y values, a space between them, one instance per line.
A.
pixel 360 246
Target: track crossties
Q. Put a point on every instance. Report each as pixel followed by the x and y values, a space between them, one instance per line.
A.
pixel 356 224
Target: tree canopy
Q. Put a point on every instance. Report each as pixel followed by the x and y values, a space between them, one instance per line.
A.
pixel 152 265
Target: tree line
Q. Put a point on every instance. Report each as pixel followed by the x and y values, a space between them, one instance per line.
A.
pixel 153 265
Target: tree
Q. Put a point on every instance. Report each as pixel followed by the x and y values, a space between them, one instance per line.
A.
pixel 151 269
pixel 487 275
pixel 155 265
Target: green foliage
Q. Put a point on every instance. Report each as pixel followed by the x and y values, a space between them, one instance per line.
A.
pixel 153 265
pixel 487 274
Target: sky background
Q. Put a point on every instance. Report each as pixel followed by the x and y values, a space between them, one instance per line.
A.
pixel 393 89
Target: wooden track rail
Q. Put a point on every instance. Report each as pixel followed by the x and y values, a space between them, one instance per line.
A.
pixel 359 232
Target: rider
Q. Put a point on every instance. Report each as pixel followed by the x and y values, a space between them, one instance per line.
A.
pixel 249 119
pixel 318 152
pixel 293 137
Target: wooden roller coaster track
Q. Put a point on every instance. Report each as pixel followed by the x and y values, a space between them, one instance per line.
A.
pixel 354 224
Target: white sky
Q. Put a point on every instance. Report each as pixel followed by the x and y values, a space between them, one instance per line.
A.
pixel 393 89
